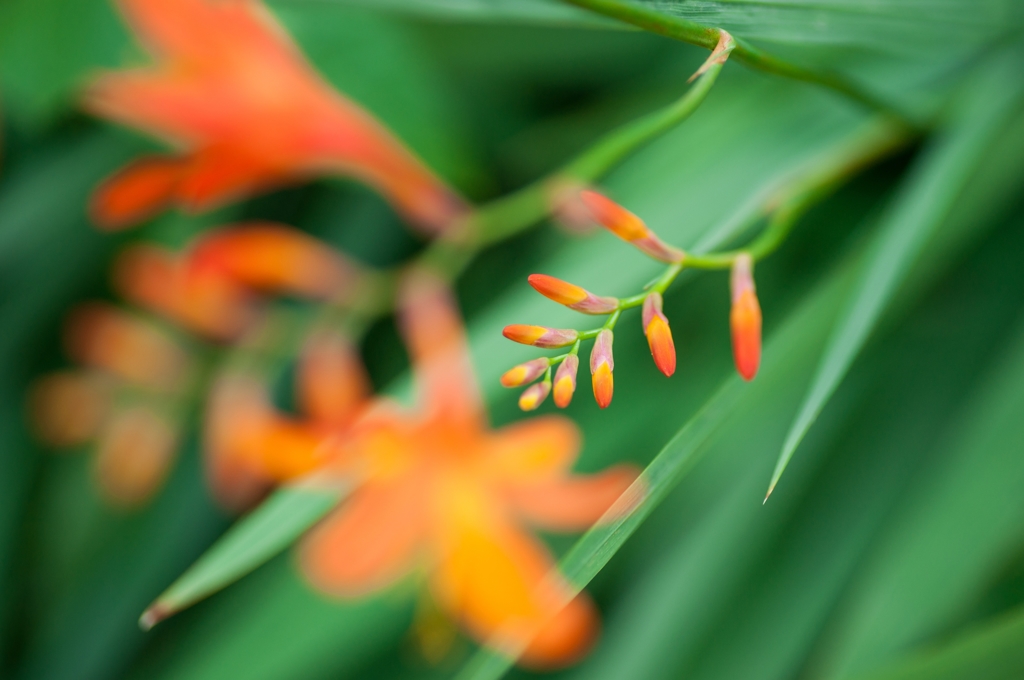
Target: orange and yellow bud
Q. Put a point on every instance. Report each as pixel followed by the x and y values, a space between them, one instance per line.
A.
pixel 628 227
pixel 534 395
pixel 105 337
pixel 571 295
pixel 745 318
pixel 565 380
pixel 659 336
pixel 273 257
pixel 540 336
pixel 524 373
pixel 602 364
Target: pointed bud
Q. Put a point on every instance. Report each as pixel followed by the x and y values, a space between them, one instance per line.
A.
pixel 534 395
pixel 540 336
pixel 628 227
pixel 745 318
pixel 601 366
pixel 565 380
pixel 525 373
pixel 659 336
pixel 572 296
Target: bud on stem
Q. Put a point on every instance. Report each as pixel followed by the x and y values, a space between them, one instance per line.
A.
pixel 601 366
pixel 745 318
pixel 565 380
pixel 524 373
pixel 540 336
pixel 572 296
pixel 659 336
pixel 629 227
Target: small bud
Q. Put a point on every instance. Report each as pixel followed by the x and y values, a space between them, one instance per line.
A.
pixel 601 366
pixel 629 227
pixel 659 336
pixel 524 373
pixel 565 380
pixel 745 318
pixel 540 336
pixel 534 395
pixel 572 296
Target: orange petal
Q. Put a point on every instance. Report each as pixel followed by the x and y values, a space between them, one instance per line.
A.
pixel 205 302
pixel 68 408
pixel 571 503
pixel 273 257
pixel 435 338
pixel 135 193
pixel 370 541
pixel 501 583
pixel 218 176
pixel 134 455
pixel 105 337
pixel 533 450
pixel 332 382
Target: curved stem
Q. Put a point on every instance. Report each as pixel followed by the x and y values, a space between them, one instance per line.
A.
pixel 697 34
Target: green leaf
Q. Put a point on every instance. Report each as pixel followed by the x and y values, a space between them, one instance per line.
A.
pixel 929 194
pixel 994 651
pixel 253 540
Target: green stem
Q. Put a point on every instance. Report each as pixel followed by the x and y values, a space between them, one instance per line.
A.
pixel 694 33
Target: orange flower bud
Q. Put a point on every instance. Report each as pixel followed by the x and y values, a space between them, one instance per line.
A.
pixel 628 227
pixel 565 380
pixel 273 257
pixel 534 395
pixel 572 296
pixel 525 373
pixel 601 366
pixel 105 337
pixel 135 193
pixel 659 336
pixel 540 336
pixel 745 318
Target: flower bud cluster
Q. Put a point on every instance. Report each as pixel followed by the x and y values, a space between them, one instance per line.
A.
pixel 745 317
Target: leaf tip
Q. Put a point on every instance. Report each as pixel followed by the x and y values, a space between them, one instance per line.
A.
pixel 153 615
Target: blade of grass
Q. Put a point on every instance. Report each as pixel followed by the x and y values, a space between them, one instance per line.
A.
pixel 926 199
pixel 253 540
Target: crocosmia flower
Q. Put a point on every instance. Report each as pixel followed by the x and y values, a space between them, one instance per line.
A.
pixel 745 318
pixel 232 93
pixel 436 487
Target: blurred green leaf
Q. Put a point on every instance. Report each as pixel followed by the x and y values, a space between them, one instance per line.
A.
pixel 927 197
pixel 253 540
pixel 994 651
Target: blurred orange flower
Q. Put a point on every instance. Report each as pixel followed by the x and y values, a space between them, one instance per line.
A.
pixel 210 287
pixel 438 486
pixel 250 446
pixel 235 95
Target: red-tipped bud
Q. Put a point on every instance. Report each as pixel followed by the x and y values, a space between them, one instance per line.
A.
pixel 534 395
pixel 565 380
pixel 601 366
pixel 659 337
pixel 524 373
pixel 572 296
pixel 628 227
pixel 745 318
pixel 540 336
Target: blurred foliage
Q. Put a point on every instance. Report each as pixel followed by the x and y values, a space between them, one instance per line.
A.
pixel 893 546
